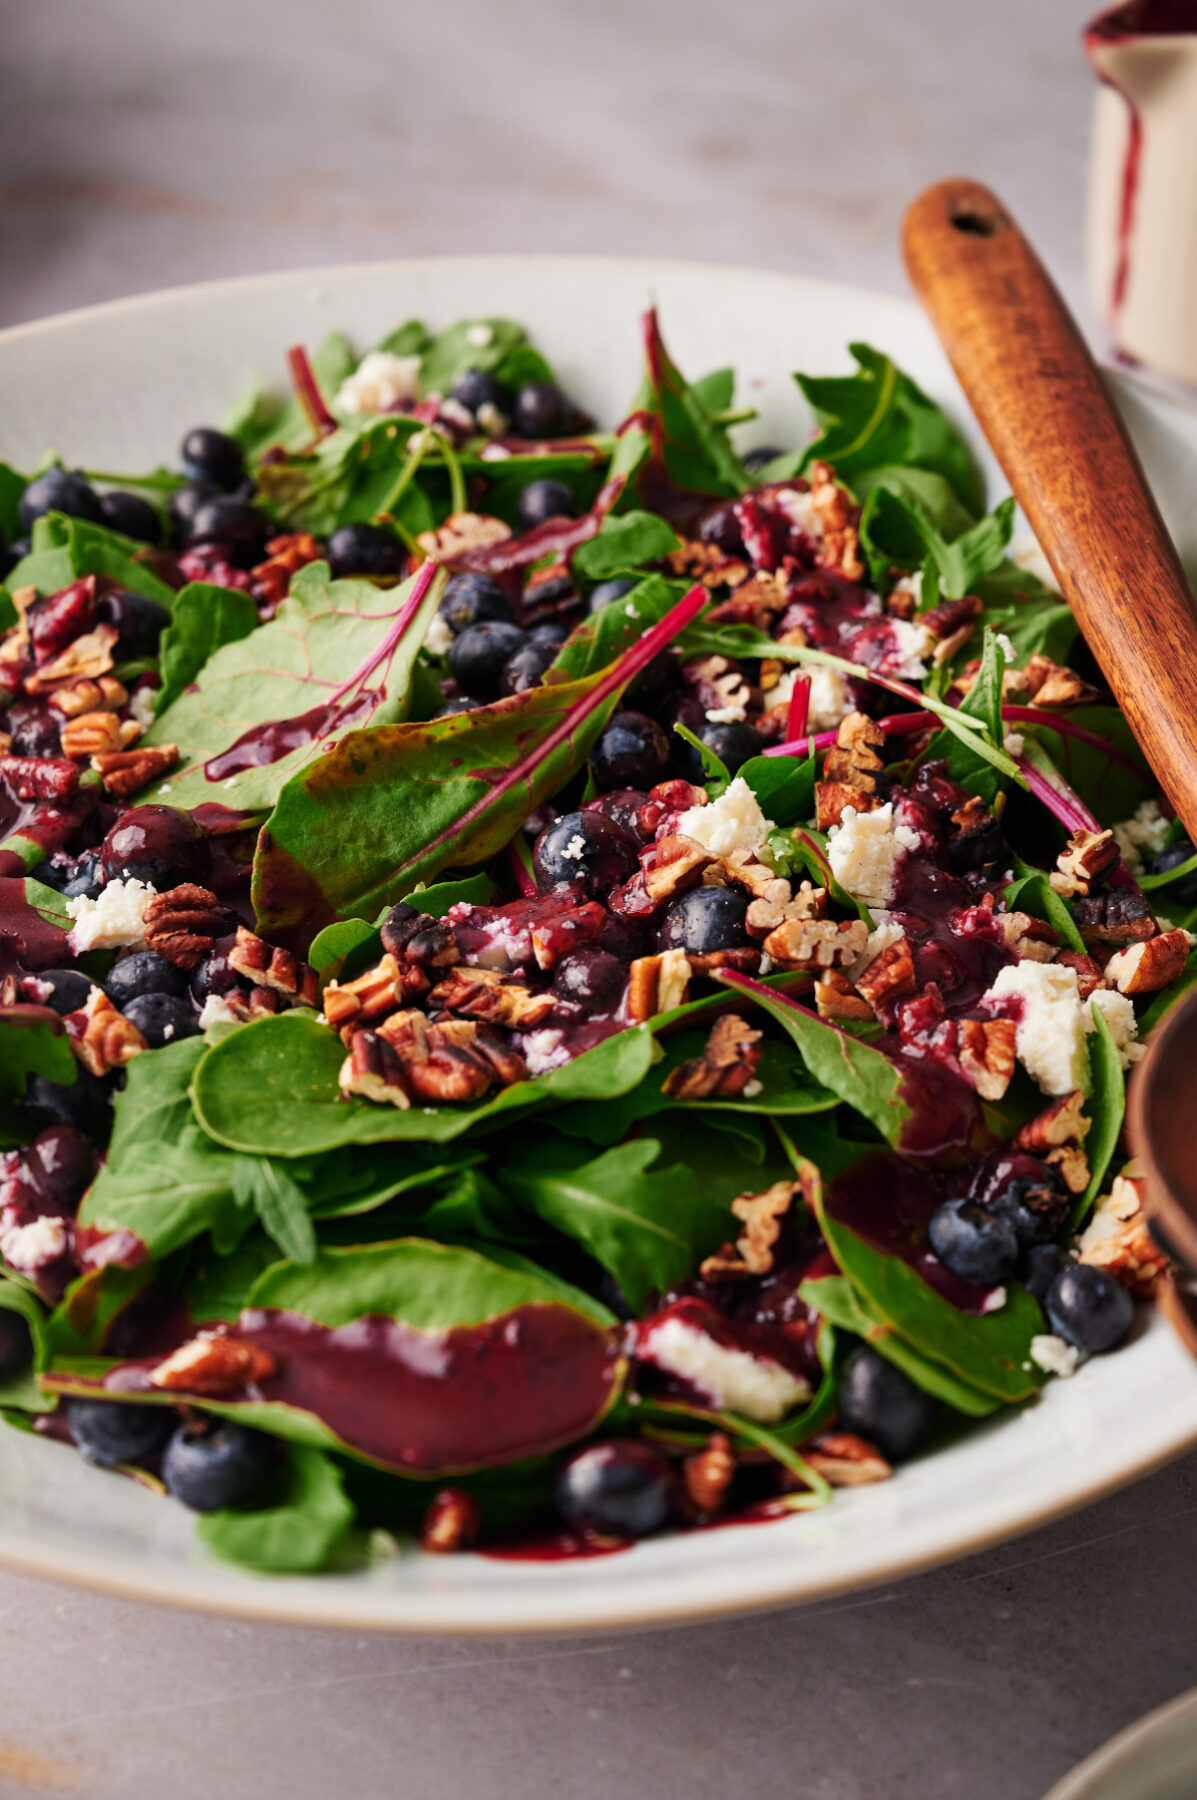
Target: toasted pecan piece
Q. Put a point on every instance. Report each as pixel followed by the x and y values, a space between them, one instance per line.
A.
pixel 1053 687
pixel 487 994
pixel 673 864
pixel 657 984
pixel 93 733
pixel 1119 915
pixel 727 1065
pixel 87 658
pixel 762 1215
pixel 836 998
pixel 1086 860
pixel 267 965
pixel 86 696
pixel 708 1474
pixel 985 1051
pixel 373 1070
pixel 817 943
pixel 889 977
pixel 839 516
pixel 832 799
pixel 366 999
pixel 461 533
pixel 101 1037
pixel 1148 967
pixel 1063 1122
pixel 452 1522
pixel 213 1363
pixel 123 772
pixel 184 923
pixel 845 1460
pixel 1117 1239
pixel 1089 975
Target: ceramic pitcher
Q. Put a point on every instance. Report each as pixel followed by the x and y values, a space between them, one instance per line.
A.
pixel 1142 227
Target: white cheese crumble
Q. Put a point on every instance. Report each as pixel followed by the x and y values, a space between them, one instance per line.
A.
pixel 1015 743
pixel 141 706
pixel 799 508
pixel 864 850
pixel 114 921
pixel 479 336
pixel 725 715
pixel 454 413
pixel 1006 647
pixel 380 383
pixel 491 420
pixel 995 1299
pixel 1119 1014
pixel 883 934
pixel 543 1050
pixel 217 1011
pixel 34 1245
pixel 731 1380
pixel 1143 836
pixel 913 646
pixel 438 639
pixel 733 822
pixel 1053 1355
pixel 575 848
pixel 1049 1037
pixel 829 702
pixel 1025 553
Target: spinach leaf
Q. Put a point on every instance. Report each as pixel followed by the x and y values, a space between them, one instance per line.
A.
pixel 270 1089
pixel 351 945
pixel 264 1185
pixel 898 530
pixel 204 619
pixel 1106 1107
pixel 345 648
pixel 784 786
pixel 671 436
pixel 455 350
pixel 837 1300
pixel 330 947
pixel 606 634
pixel 260 420
pixel 21 1391
pixel 1032 892
pixel 12 486
pixel 33 1041
pixel 983 701
pixel 625 541
pixel 63 549
pixel 298 1531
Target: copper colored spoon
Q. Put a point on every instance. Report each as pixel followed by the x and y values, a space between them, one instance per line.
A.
pixel 1042 404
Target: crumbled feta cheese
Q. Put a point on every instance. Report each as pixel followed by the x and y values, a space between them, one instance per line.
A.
pixel 1053 1355
pixel 913 645
pixel 1143 836
pixel 883 934
pixel 35 1245
pixel 995 1299
pixel 495 453
pixel 141 706
pixel 1025 553
pixel 575 848
pixel 490 419
pixel 479 336
pixel 543 1050
pixel 438 639
pixel 114 921
pixel 1119 1014
pixel 217 1011
pixel 864 850
pixel 454 413
pixel 1049 1037
pixel 751 1089
pixel 380 383
pixel 733 822
pixel 633 612
pixel 726 715
pixel 799 508
pixel 829 701
pixel 731 1380
pixel 1015 743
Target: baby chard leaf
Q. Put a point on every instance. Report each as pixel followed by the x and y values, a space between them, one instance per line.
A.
pixel 625 541
pixel 63 549
pixel 205 618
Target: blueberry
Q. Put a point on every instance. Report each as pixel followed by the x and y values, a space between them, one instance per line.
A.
pixel 87 878
pixel 54 871
pixel 882 1404
pixel 111 1431
pixel 621 1488
pixel 461 703
pixel 186 501
pixel 585 851
pixel 478 656
pixel 633 751
pixel 623 805
pixel 63 491
pixel 365 550
pixel 1040 1266
pixel 734 744
pixel 85 1103
pixel 16 1343
pixel 705 920
pixel 218 1463
pixel 607 591
pixel 142 972
pixel 132 515
pixel 1029 1195
pixel 974 1243
pixel 211 455
pixel 471 599
pixel 1088 1308
pixel 215 974
pixel 139 620
pixel 722 528
pixel 545 499
pixel 65 990
pixel 162 1018
pixel 526 668
pixel 589 975
pixel 1185 889
pixel 755 460
pixel 541 411
pixel 476 388
pixel 235 528
pixel 158 844
pixel 549 633
pixel 34 729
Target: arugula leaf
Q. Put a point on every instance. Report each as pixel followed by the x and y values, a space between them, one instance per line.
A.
pixel 331 645
pixel 298 1531
pixel 63 549
pixel 21 1391
pixel 894 529
pixel 983 701
pixel 1106 1107
pixel 837 1300
pixel 606 634
pixel 625 541
pixel 204 619
pixel 264 1185
pixel 271 1089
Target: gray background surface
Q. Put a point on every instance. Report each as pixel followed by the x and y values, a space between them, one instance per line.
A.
pixel 147 144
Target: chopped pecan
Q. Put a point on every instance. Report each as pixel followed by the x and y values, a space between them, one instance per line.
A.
pixel 1088 971
pixel 212 1363
pixel 505 1062
pixel 365 1000
pixel 746 958
pixel 78 697
pixel 1053 687
pixel 89 657
pixel 1118 916
pixel 762 1215
pixel 832 799
pixel 123 772
pixel 836 998
pixel 889 977
pixel 985 1051
pixel 657 984
pixel 720 683
pixel 452 1522
pixel 727 1066
pixel 1085 861
pixel 94 732
pixel 449 1075
pixel 951 646
pixel 1063 1122
pixel 487 994
pixel 817 943
pixel 373 1070
pixel 706 563
pixel 266 965
pixel 840 519
pixel 707 1475
pixel 460 533
pixel 1145 968
pixel 765 915
pixel 1071 1165
pixel 183 924
pixel 101 1037
pixel 286 555
pixel 855 757
pixel 742 867
pixel 755 602
pixel 944 621
pixel 1117 1239
pixel 673 864
pixel 845 1460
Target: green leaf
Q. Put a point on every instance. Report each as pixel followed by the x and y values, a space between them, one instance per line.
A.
pixel 12 486
pixel 259 422
pixel 298 1532
pixel 837 1300
pixel 784 786
pixel 1101 777
pixel 269 1189
pixel 455 350
pixel 984 702
pixel 671 435
pixel 48 904
pixel 33 1041
pixel 319 648
pixel 606 634
pixel 898 530
pixel 1032 892
pixel 205 618
pixel 21 1390
pixel 625 541
pixel 1030 614
pixel 1106 1108
pixel 270 1089
pixel 330 947
pixel 63 549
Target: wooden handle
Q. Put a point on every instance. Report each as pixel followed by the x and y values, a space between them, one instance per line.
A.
pixel 1043 406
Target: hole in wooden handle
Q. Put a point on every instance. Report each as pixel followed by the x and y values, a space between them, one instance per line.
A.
pixel 975 218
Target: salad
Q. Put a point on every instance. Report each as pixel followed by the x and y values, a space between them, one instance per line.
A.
pixel 559 983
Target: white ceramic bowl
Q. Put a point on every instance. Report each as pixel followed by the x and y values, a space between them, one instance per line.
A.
pixel 114 388
pixel 1153 1759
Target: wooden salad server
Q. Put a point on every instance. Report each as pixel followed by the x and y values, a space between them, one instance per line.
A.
pixel 1044 407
